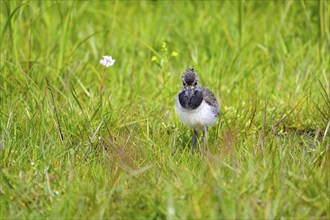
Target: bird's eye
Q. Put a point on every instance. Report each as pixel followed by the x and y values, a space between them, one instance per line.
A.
pixel 195 84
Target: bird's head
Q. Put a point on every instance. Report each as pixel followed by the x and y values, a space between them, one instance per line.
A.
pixel 189 82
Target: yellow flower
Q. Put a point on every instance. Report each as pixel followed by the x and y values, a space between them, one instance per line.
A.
pixel 153 58
pixel 174 54
pixel 164 47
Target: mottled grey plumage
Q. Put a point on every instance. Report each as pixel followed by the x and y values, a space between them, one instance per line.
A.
pixel 196 106
pixel 210 99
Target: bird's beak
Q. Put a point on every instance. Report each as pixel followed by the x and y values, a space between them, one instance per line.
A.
pixel 189 92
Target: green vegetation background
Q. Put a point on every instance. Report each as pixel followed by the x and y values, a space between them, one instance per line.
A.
pixel 82 141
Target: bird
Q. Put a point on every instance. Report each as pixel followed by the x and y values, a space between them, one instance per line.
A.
pixel 196 106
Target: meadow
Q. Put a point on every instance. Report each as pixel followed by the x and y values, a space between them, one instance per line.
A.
pixel 81 141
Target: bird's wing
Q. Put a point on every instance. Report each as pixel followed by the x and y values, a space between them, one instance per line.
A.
pixel 210 98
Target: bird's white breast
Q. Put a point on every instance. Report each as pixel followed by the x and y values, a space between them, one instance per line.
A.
pixel 196 118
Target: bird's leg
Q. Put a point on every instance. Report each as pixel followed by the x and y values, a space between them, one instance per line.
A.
pixel 204 138
pixel 193 140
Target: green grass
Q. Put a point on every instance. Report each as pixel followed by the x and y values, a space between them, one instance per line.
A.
pixel 81 141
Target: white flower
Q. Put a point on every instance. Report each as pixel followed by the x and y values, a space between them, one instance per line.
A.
pixel 107 61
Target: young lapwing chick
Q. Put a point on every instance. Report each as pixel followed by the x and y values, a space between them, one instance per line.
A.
pixel 196 106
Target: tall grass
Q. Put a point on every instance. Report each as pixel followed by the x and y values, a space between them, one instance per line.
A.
pixel 70 149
